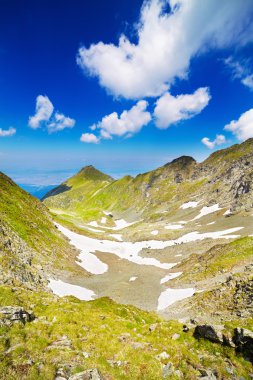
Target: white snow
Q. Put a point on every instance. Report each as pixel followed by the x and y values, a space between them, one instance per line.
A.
pixel 117 236
pixel 130 251
pixel 179 255
pixel 209 224
pixel 189 205
pixel 131 279
pixel 155 232
pixel 61 289
pixel 170 296
pixel 207 210
pixel 103 220
pixel 170 276
pixel 107 212
pixel 228 212
pixel 173 227
pixel 93 224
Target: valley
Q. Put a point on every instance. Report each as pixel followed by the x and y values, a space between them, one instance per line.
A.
pixel 139 262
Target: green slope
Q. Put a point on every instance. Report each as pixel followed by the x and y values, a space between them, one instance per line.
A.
pixel 225 178
pixel 30 245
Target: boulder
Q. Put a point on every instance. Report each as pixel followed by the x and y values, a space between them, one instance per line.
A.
pixel 209 332
pixel 168 371
pixel 12 314
pixel 89 374
pixel 243 340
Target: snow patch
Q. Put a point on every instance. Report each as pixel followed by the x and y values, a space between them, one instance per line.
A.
pixel 189 205
pixel 173 226
pixel 103 220
pixel 130 251
pixel 209 224
pixel 228 212
pixel 155 232
pixel 117 236
pixel 170 296
pixel 131 279
pixel 170 276
pixel 62 289
pixel 207 210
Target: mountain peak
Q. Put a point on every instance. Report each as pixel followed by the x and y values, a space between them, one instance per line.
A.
pixel 182 162
pixel 90 172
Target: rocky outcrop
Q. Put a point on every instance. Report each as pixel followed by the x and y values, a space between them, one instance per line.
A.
pixel 242 339
pixel 12 314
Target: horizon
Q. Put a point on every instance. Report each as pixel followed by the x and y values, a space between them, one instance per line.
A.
pixel 190 96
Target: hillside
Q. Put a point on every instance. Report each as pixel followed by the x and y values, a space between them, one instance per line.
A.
pixel 224 178
pixel 31 248
pixel 207 335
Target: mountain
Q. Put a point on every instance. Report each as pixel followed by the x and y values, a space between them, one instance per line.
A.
pixel 205 336
pixel 224 178
pixel 31 248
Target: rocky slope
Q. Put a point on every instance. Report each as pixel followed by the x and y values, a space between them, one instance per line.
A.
pixel 31 248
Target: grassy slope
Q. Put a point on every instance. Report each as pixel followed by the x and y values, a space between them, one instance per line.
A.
pixel 29 221
pixel 163 188
pixel 95 327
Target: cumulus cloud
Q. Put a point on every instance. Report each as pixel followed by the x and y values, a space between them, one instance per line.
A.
pixel 240 70
pixel 89 138
pixel 127 124
pixel 7 132
pixel 219 140
pixel 44 110
pixel 166 42
pixel 60 122
pixel 243 127
pixel 45 115
pixel 173 109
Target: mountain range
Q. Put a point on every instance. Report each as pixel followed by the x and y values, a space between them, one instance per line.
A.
pixel 176 241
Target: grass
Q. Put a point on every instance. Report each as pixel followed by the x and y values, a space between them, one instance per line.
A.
pixel 97 327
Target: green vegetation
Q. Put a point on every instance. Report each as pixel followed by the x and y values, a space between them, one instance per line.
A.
pixel 219 259
pixel 106 331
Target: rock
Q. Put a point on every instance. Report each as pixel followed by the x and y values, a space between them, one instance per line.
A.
pixel 208 332
pixel 116 363
pixel 89 374
pixel 62 343
pixel 152 327
pixel 163 355
pixel 86 355
pixel 12 314
pixel 124 337
pixel 175 336
pixel 243 340
pixel 168 370
pixel 207 374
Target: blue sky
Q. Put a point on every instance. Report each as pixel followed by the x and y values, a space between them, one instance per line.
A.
pixel 182 73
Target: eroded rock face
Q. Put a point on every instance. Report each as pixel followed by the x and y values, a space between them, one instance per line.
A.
pixel 11 314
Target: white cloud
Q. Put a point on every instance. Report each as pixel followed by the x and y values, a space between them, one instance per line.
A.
pixel 60 122
pixel 44 110
pixel 243 127
pixel 7 132
pixel 127 124
pixel 173 109
pixel 166 42
pixel 219 140
pixel 240 70
pixel 89 138
pixel 248 81
pixel 45 115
